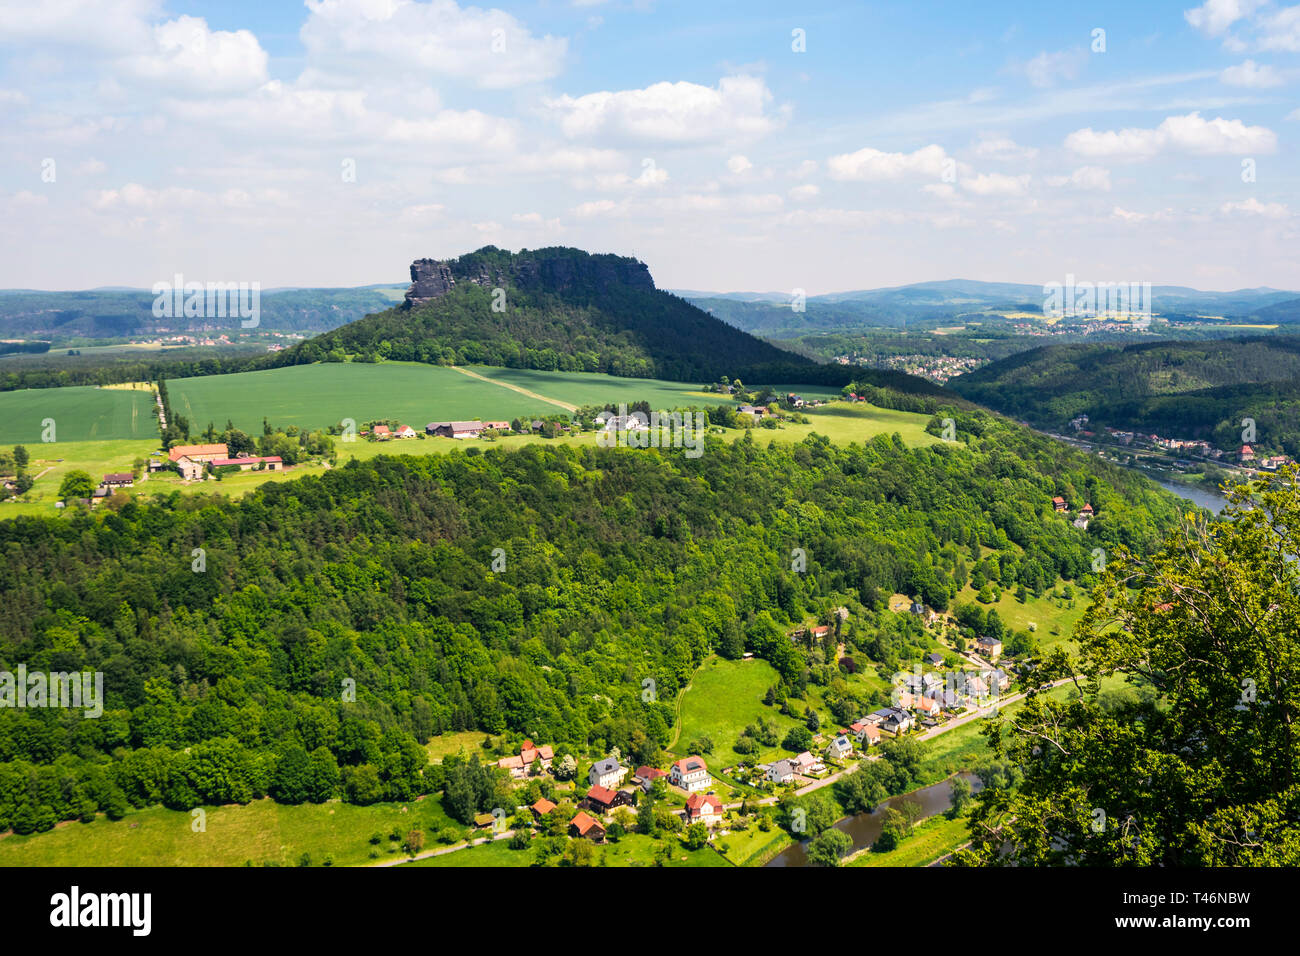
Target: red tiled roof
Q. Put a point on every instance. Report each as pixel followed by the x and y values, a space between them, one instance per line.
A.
pixel 650 773
pixel 683 765
pixel 543 807
pixel 584 822
pixel 601 794
pixel 696 802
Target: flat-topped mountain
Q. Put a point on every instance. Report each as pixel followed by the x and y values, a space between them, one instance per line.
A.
pixel 557 309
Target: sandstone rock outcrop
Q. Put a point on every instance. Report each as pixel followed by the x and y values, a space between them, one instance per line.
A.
pixel 431 278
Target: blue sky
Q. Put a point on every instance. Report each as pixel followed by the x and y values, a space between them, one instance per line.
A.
pixel 332 142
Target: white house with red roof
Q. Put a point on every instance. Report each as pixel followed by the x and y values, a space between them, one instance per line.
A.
pixel 691 774
pixel 704 808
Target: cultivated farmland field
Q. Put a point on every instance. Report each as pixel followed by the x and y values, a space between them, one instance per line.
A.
pixel 316 396
pixel 80 413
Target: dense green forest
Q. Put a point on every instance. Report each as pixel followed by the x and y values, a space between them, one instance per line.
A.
pixel 1181 389
pixel 228 631
pixel 1195 763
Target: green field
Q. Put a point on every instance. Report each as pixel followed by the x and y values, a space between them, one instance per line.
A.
pixel 80 413
pixel 316 396
pixel 53 461
pixel 633 849
pixel 723 697
pixel 929 840
pixel 262 832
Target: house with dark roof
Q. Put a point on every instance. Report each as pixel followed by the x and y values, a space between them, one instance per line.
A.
pixel 607 773
pixel 780 772
pixel 602 799
pixel 839 748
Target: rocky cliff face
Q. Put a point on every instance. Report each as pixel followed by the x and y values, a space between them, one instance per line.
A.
pixel 553 270
pixel 429 279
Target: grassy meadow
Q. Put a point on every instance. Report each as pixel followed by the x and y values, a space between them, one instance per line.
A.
pixel 261 833
pixel 80 413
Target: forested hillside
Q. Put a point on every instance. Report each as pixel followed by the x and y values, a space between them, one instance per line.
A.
pixel 1187 389
pixel 230 681
pixel 558 309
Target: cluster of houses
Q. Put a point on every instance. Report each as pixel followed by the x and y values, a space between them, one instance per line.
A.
pixel 193 461
pixel 1268 463
pixel 785 771
pixel 472 429
pixel 1246 456
pixel 606 791
pixel 1081 517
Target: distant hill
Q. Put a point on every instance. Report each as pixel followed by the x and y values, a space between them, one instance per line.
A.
pixel 770 314
pixel 128 314
pixel 556 309
pixel 1179 389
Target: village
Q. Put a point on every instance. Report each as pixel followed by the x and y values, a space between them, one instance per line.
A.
pixel 703 804
pixel 1180 454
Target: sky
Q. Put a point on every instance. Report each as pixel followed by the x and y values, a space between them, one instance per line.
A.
pixel 730 146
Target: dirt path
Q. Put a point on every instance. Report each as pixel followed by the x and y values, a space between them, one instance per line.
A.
pixel 515 388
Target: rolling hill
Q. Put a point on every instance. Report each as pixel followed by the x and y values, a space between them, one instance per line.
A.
pixel 1185 389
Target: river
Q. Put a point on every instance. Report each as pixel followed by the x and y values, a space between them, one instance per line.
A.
pixel 1206 499
pixel 863 828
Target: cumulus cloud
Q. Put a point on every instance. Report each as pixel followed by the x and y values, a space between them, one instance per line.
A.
pixel 670 113
pixel 739 164
pixel 1215 16
pixel 1189 134
pixel 1252 74
pixel 804 193
pixel 188 54
pixel 489 48
pixel 1253 207
pixel 1085 177
pixel 992 146
pixel 996 184
pixel 873 165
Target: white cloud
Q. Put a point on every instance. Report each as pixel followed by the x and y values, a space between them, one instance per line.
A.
pixel 1281 31
pixel 672 113
pixel 489 48
pixel 804 193
pixel 996 184
pixel 1085 177
pixel 1253 207
pixel 187 54
pixel 739 164
pixel 112 26
pixel 1047 69
pixel 872 165
pixel 992 146
pixel 1215 16
pixel 1251 74
pixel 1190 134
pixel 1128 216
